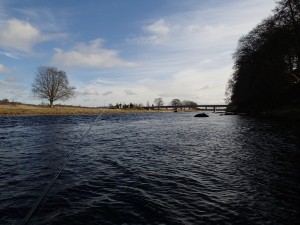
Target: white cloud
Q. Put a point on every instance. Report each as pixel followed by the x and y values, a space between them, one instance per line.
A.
pixel 12 55
pixel 191 84
pixel 129 92
pixel 159 28
pixel 205 87
pixel 107 93
pixel 19 35
pixel 46 18
pixel 11 89
pixel 196 84
pixel 91 92
pixel 90 55
pixel 4 69
pixel 157 32
pixel 205 28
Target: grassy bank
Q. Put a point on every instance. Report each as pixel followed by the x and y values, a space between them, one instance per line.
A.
pixel 23 110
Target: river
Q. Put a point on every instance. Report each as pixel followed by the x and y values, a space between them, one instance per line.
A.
pixel 151 168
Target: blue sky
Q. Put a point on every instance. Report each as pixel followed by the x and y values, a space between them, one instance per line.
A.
pixel 122 51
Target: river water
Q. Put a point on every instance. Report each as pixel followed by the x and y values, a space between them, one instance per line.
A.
pixel 151 168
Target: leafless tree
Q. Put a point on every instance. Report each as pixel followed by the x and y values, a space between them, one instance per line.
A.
pixel 176 103
pixel 158 102
pixel 189 104
pixel 52 84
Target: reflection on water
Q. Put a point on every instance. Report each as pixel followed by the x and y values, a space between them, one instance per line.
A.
pixel 151 169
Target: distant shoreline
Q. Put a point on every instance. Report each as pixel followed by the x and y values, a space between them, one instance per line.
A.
pixel 35 110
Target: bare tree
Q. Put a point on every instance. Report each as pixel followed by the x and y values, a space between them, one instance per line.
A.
pixel 189 104
pixel 176 103
pixel 52 84
pixel 158 102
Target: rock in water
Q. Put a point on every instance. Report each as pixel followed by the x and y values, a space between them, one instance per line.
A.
pixel 201 115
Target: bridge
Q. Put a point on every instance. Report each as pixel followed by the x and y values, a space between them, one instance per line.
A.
pixel 206 107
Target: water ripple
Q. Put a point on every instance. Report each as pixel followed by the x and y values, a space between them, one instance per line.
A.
pixel 151 169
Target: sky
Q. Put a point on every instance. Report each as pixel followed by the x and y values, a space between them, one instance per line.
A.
pixel 125 51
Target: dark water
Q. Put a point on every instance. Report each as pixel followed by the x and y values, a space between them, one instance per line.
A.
pixel 165 168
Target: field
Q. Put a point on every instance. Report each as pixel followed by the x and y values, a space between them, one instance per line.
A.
pixel 24 109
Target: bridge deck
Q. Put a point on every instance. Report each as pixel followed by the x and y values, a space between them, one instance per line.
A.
pixel 185 106
pixel 213 107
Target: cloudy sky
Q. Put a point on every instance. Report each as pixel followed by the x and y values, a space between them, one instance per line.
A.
pixel 122 51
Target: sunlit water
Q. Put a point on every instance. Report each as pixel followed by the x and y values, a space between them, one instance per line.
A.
pixel 161 168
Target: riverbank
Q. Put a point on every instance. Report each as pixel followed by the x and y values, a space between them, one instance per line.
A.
pixel 27 110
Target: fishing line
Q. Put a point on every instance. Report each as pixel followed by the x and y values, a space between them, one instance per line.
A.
pixel 48 187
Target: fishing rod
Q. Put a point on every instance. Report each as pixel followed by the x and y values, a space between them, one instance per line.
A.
pixel 37 203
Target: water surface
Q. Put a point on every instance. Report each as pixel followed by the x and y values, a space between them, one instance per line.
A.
pixel 161 168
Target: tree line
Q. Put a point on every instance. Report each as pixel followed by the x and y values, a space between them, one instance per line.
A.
pixel 176 103
pixel 157 103
pixel 267 62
